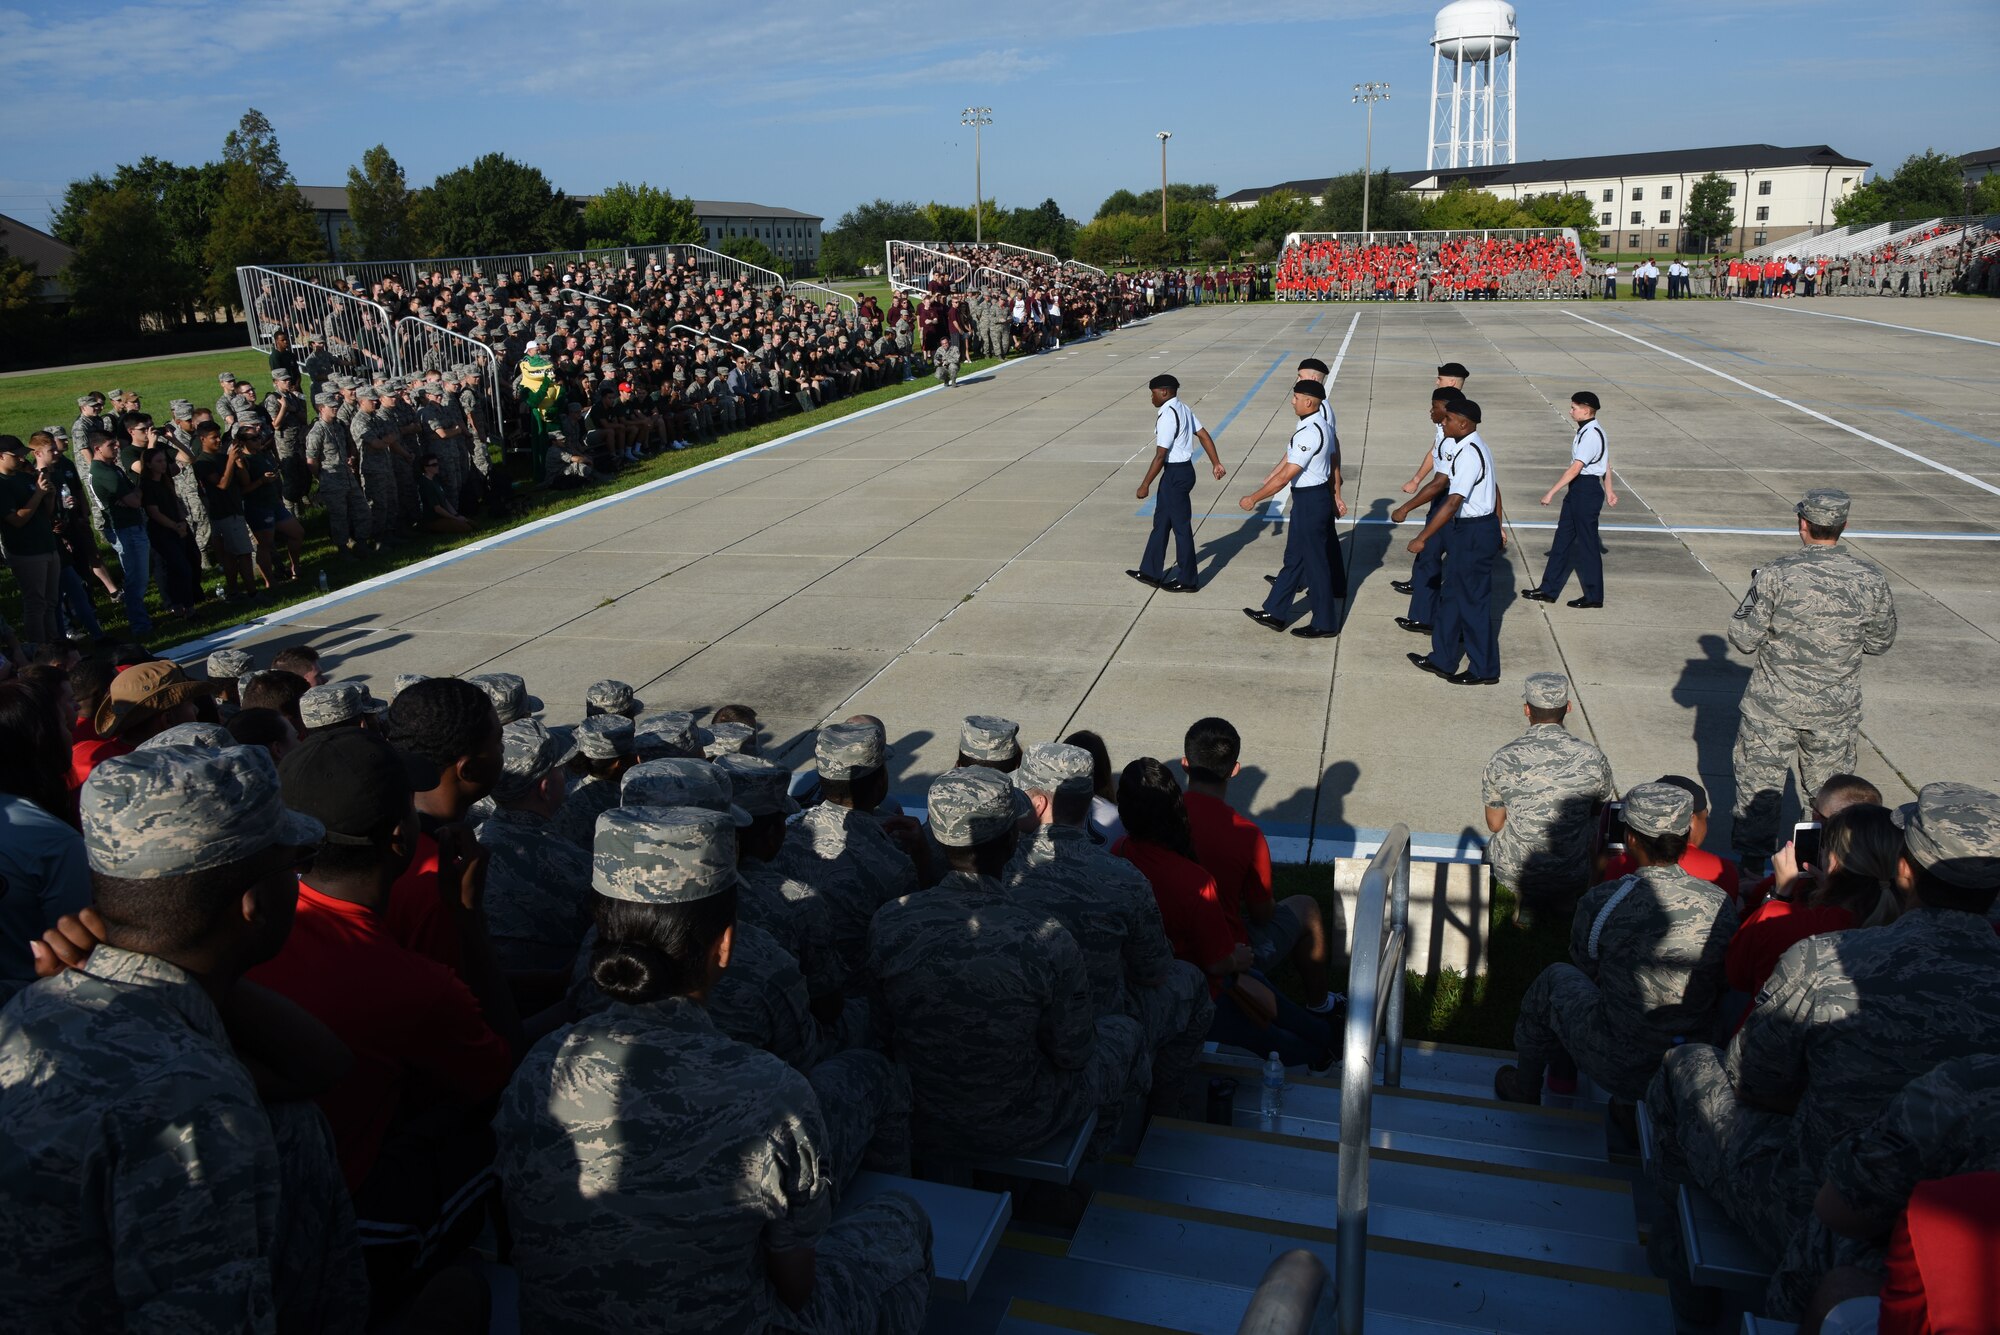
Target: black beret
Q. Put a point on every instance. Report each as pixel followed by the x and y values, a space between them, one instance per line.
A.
pixel 1312 389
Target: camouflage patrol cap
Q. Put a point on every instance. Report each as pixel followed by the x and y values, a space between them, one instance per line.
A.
pixel 1655 809
pixel 326 398
pixel 172 810
pixel 1824 505
pixel 337 702
pixel 508 693
pixel 90 400
pixel 281 373
pixel 405 680
pixel 985 737
pixel 729 739
pixel 1055 767
pixel 848 750
pixel 1546 690
pixel 431 389
pixel 225 377
pixel 680 782
pixel 972 805
pixel 1952 831
pixel 761 787
pixel 667 732
pixel 613 697
pixel 212 736
pixel 228 664
pixel 365 391
pixel 528 752
pixel 606 737
pixel 181 409
pixel 663 855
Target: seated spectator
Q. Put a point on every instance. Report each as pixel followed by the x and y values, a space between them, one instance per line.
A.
pixel 301 660
pixel 439 514
pixel 225 670
pixel 206 1207
pixel 985 1002
pixel 612 697
pixel 340 704
pixel 1646 967
pixel 43 874
pixel 1844 1022
pixel 1697 862
pixel 604 752
pixel 1839 792
pixel 1249 1012
pixel 537 883
pixel 410 1119
pixel 144 699
pixel 279 690
pixel 1868 1231
pixel 1235 852
pixel 1542 793
pixel 266 728
pixel 1105 827
pixel 839 848
pixel 770 898
pixel 1108 907
pixel 609 1123
pixel 1854 885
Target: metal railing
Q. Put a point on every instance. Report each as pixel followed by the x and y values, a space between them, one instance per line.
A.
pixel 421 345
pixel 909 267
pixel 1090 269
pixel 592 296
pixel 713 338
pixel 1288 1298
pixel 359 333
pixel 412 272
pixel 801 285
pixel 1374 1015
pixel 727 269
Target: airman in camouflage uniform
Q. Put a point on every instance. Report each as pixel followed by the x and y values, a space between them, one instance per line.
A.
pixel 606 737
pixel 319 365
pixel 987 1003
pixel 402 413
pixel 443 433
pixel 180 438
pixel 1941 1125
pixel 844 854
pixel 337 702
pixel 144 1185
pixel 735 1144
pixel 1845 1022
pixel 1550 784
pixel 1108 907
pixel 287 411
pixel 1646 974
pixel 509 693
pixel 1809 617
pixel 376 441
pixel 329 457
pixel 774 901
pixel 538 898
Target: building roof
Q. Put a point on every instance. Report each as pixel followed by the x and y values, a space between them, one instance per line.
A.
pixel 1665 162
pixel 730 208
pixel 325 198
pixel 49 256
pixel 1985 157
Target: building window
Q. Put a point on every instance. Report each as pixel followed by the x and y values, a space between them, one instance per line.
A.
pixel 1638 192
pixel 1732 189
pixel 1632 242
pixel 1760 238
pixel 1666 215
pixel 1666 192
pixel 1608 196
pixel 1763 213
pixel 1763 187
pixel 1664 241
pixel 1637 217
pixel 1604 219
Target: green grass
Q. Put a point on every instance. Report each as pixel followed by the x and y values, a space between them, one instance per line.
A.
pixel 41 398
pixel 1444 1008
pixel 320 556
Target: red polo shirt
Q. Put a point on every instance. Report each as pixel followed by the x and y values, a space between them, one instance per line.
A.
pixel 415 1030
pixel 1775 927
pixel 1235 853
pixel 1189 908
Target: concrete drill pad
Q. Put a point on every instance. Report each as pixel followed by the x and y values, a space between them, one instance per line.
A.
pixel 830 574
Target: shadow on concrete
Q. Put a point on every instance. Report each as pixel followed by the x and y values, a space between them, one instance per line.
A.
pixel 1218 552
pixel 1712 686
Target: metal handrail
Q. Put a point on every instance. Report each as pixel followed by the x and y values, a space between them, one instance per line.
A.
pixel 1090 269
pixel 1288 1298
pixel 957 264
pixel 1374 1015
pixel 798 283
pixel 411 332
pixel 713 338
pixel 715 262
pixel 592 296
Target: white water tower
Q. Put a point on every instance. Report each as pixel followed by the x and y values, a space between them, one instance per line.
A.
pixel 1473 60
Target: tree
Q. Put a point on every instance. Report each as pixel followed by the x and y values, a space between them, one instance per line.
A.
pixel 946 222
pixel 1124 201
pixel 1044 227
pixel 262 218
pixel 20 284
pixel 495 206
pixel 1559 209
pixel 1928 184
pixel 1110 240
pixel 1391 206
pixel 1986 196
pixel 1272 218
pixel 640 215
pixel 1709 216
pixel 378 210
pixel 858 237
pixel 751 250
pixel 121 274
pixel 1462 207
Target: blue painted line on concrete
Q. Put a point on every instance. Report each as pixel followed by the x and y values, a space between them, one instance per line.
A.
pixel 1145 511
pixel 1675 333
pixel 1315 324
pixel 1946 426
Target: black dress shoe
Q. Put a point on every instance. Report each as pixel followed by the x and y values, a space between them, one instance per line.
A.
pixel 1308 633
pixel 1179 586
pixel 1263 618
pixel 1424 664
pixel 1414 627
pixel 1537 596
pixel 1273 579
pixel 1403 586
pixel 1144 578
pixel 1466 678
pixel 1584 602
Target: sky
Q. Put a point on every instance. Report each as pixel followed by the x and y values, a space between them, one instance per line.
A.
pixel 822 108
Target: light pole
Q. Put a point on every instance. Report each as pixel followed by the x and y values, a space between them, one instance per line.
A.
pixel 977 117
pixel 1370 93
pixel 1163 136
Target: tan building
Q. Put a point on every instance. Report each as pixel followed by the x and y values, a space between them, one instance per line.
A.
pixel 34 246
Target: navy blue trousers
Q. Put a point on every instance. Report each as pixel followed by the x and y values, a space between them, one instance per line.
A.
pixel 1428 569
pixel 1464 626
pixel 1173 510
pixel 1576 546
pixel 1311 548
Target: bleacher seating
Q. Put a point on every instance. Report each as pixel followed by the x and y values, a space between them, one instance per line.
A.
pixel 1432 267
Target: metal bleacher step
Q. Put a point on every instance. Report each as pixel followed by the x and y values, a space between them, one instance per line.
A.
pixel 1434 1068
pixel 966 1226
pixel 1445 1126
pixel 1406 1280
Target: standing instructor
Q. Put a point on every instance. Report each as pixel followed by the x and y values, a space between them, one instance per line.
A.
pixel 1175 431
pixel 1588 478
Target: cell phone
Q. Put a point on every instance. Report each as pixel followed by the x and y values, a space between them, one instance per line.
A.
pixel 1614 825
pixel 1805 842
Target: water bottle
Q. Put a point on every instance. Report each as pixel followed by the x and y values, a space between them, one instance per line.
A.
pixel 1272 1100
pixel 322 581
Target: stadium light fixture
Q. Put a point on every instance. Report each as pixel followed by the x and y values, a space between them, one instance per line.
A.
pixel 1369 93
pixel 977 117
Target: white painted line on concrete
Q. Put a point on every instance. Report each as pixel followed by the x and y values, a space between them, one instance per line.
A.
pixel 1701 529
pixel 1280 505
pixel 1856 319
pixel 1796 406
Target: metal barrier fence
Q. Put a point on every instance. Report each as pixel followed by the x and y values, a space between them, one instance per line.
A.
pixel 1374 1015
pixel 827 293
pixel 1090 269
pixel 727 269
pixel 359 333
pixel 713 338
pixel 412 272
pixel 592 296
pixel 421 345
pixel 909 266
pixel 975 246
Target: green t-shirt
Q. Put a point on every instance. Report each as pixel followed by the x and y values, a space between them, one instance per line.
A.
pixel 431 496
pixel 108 482
pixel 37 537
